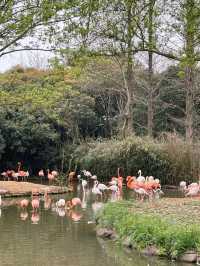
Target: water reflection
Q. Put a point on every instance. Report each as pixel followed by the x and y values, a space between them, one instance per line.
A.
pixel 58 236
pixel 23 215
pixel 35 217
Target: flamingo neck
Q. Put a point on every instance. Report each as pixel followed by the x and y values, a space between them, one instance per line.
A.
pixel 19 167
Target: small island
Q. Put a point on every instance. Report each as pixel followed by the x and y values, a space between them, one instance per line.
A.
pixel 14 189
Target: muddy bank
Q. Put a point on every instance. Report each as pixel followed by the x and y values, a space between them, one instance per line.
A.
pixel 15 189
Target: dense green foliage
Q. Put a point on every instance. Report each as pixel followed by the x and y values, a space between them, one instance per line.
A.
pixel 40 116
pixel 171 238
pixel 170 160
pixel 62 118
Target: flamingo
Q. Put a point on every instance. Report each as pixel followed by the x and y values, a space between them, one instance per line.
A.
pixel 141 192
pixel 114 181
pixel 73 202
pixel 9 173
pixel 35 202
pixel 41 174
pixel 158 192
pixel 22 174
pixel 84 184
pixel 113 188
pixel 5 175
pixel 136 185
pixel 183 185
pixel 93 177
pixel 193 191
pixel 50 176
pixel 87 173
pixel 140 177
pixel 95 189
pixel 47 200
pixel 84 201
pixel 60 203
pixel 102 187
pixel 54 173
pixel 24 203
pixel 15 175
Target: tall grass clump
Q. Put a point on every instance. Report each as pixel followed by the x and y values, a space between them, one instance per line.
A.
pixel 171 239
pixel 170 159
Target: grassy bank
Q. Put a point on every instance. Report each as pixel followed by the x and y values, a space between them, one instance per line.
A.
pixel 146 225
pixel 171 159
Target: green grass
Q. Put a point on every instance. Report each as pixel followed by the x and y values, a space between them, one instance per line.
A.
pixel 170 237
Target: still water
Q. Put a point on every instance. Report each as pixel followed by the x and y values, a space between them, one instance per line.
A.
pixel 58 238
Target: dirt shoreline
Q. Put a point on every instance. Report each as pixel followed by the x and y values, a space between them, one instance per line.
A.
pixel 17 189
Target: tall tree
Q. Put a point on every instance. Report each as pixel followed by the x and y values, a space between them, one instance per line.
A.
pixel 18 19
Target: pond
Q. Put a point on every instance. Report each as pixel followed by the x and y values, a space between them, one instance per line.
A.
pixel 52 237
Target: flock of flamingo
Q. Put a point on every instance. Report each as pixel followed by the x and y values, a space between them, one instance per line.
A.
pixel 144 187
pixel 23 175
pixel 191 190
pixel 11 174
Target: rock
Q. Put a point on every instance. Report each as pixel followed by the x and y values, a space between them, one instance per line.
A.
pixel 127 242
pixel 114 236
pixel 189 256
pixel 150 251
pixel 105 233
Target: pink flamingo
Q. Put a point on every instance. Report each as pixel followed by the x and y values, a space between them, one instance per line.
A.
pixel 22 174
pixel 24 203
pixel 54 173
pixel 5 175
pixel 50 176
pixel 35 202
pixel 41 174
pixel 73 202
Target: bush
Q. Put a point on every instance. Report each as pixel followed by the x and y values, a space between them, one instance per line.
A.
pixel 169 161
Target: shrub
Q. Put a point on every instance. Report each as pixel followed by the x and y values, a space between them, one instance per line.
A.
pixel 170 161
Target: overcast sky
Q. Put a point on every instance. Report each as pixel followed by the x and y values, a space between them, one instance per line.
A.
pixel 26 59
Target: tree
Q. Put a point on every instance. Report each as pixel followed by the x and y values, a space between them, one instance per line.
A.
pixel 19 19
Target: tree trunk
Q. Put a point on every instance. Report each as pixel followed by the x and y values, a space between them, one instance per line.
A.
pixel 150 69
pixel 189 82
pixel 150 97
pixel 128 112
pixel 190 27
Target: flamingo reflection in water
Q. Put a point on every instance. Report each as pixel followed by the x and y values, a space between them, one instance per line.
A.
pixel 74 215
pixel 35 218
pixel 23 215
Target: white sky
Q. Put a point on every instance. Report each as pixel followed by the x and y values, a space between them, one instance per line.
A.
pixel 36 59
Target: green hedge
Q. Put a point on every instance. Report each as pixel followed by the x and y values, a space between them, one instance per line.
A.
pixel 170 162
